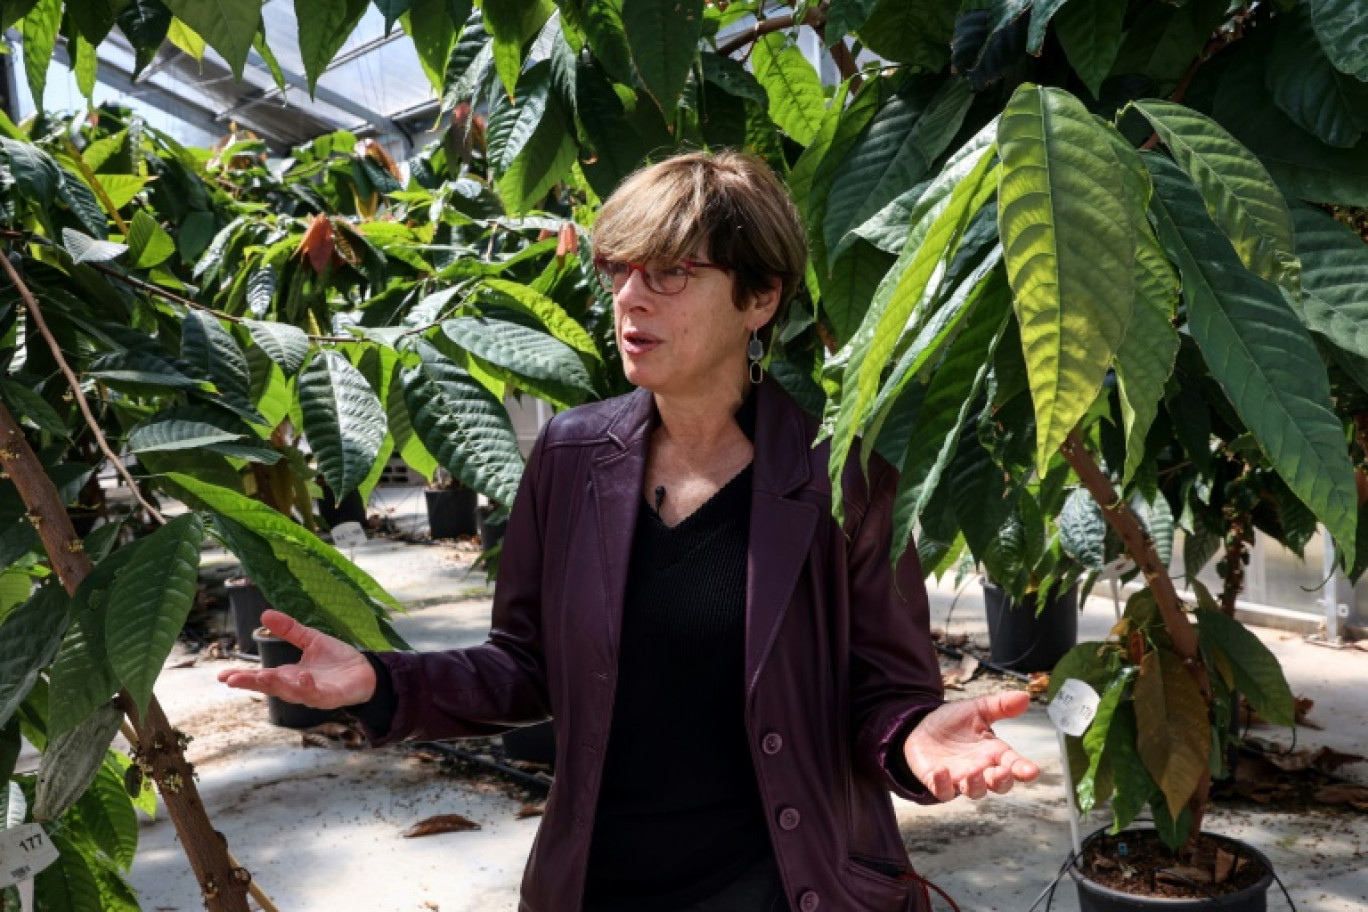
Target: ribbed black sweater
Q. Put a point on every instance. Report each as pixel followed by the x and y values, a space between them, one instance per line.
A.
pixel 679 814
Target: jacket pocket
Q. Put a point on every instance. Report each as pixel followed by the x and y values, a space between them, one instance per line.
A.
pixel 877 887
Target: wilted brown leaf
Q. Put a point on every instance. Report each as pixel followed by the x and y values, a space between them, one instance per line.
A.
pixel 1354 795
pixel 1225 864
pixel 1039 683
pixel 317 243
pixel 530 810
pixel 442 823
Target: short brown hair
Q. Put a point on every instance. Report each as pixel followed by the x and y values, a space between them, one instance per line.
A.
pixel 730 203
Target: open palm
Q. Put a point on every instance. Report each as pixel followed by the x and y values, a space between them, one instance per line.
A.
pixel 329 674
pixel 954 750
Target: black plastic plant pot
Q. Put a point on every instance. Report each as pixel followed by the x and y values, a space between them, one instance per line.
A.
pixel 491 533
pixel 245 604
pixel 451 512
pixel 274 653
pixel 351 509
pixel 1022 640
pixel 1093 897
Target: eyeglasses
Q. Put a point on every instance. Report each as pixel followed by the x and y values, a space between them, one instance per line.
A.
pixel 665 280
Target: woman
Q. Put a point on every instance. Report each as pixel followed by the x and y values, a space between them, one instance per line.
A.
pixel 737 680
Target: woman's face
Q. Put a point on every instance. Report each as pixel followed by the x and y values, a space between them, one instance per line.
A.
pixel 686 342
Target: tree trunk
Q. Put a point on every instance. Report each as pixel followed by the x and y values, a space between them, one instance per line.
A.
pixel 161 751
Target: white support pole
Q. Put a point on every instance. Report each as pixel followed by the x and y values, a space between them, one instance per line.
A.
pixel 1069 798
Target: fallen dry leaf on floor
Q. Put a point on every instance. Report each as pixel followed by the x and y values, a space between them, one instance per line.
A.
pixel 1039 683
pixel 335 735
pixel 1356 796
pixel 442 823
pixel 962 673
pixel 185 663
pixel 530 810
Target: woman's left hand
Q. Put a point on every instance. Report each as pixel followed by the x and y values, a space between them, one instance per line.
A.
pixel 954 751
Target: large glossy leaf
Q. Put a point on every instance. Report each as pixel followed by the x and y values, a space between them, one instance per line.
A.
pixel 215 354
pixel 1082 530
pixel 663 38
pixel 513 23
pixel 1069 243
pixel 29 638
pixel 1307 87
pixel 534 360
pixel 39 33
pixel 463 426
pixel 284 344
pixel 823 163
pixel 149 244
pixel 528 141
pixel 86 249
pixel 551 315
pixel 1132 785
pixel 323 27
pixel 796 100
pixel 145 23
pixel 139 370
pixel 848 289
pixel 951 394
pixel 229 26
pixel 1342 27
pixel 911 31
pixel 1173 732
pixel 959 191
pixel 846 16
pixel 35 174
pixel 406 443
pixel 1334 274
pixel 1257 673
pixel 343 420
pixel 149 602
pixel 68 884
pixel 81 677
pixel 1236 188
pixel 109 816
pixel 27 403
pixel 433 34
pixel 1261 354
pixel 1096 740
pixel 1042 11
pixel 72 760
pixel 618 148
pixel 199 428
pixel 1090 33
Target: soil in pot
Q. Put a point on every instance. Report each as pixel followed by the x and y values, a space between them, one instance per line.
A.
pixel 1023 640
pixel 275 652
pixel 451 512
pixel 245 604
pixel 1134 870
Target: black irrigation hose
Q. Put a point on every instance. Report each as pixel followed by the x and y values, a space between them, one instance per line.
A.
pixel 541 782
pixel 1047 895
pixel 991 666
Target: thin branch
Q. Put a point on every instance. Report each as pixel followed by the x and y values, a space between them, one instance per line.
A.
pixel 36 313
pixel 814 17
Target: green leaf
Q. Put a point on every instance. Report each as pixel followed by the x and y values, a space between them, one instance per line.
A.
pixel 513 23
pixel 1257 673
pixel 86 249
pixel 229 26
pixel 68 884
pixel 849 289
pixel 29 638
pixel 617 146
pixel 35 174
pixel 1084 662
pixel 406 443
pixel 539 363
pixel 952 392
pixel 38 32
pixel 911 31
pixel 214 353
pixel 1307 87
pixel 663 38
pixel 94 18
pixel 944 211
pixel 343 420
pixel 28 403
pixel 796 100
pixel 15 588
pixel 284 344
pixel 1342 27
pixel 81 201
pixel 551 315
pixel 14 11
pixel 189 428
pixel 1173 733
pixel 81 677
pixel 529 147
pixel 463 426
pixel 186 39
pixel 1260 353
pixel 1042 11
pixel 148 243
pixel 269 58
pixel 108 814
pixel 433 34
pixel 1082 530
pixel 85 66
pixel 1236 188
pixel 1162 40
pixel 1334 273
pixel 846 16
pixel 145 24
pixel 1146 358
pixel 149 602
pixel 1132 785
pixel 392 10
pixel 1096 740
pixel 323 27
pixel 71 762
pixel 138 370
pixel 1069 243
pixel 1090 33
pixel 262 521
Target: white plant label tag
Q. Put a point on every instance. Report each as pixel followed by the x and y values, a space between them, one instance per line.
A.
pixel 24 851
pixel 348 536
pixel 1073 707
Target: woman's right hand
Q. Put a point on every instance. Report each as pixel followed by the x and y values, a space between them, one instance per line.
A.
pixel 330 673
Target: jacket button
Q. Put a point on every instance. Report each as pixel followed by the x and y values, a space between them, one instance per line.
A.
pixel 788 820
pixel 809 901
pixel 772 743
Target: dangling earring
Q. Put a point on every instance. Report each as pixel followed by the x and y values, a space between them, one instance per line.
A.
pixel 756 353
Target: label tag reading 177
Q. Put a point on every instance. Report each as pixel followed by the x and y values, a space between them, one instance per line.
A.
pixel 1073 707
pixel 24 851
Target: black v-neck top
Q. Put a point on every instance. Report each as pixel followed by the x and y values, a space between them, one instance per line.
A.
pixel 679 814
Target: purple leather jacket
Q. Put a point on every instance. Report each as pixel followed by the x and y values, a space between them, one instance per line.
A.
pixel 838 652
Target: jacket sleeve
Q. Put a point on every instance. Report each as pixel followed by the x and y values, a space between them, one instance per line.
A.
pixel 500 684
pixel 895 675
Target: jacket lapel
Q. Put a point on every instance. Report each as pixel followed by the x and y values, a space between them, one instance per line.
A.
pixel 781 528
pixel 615 492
